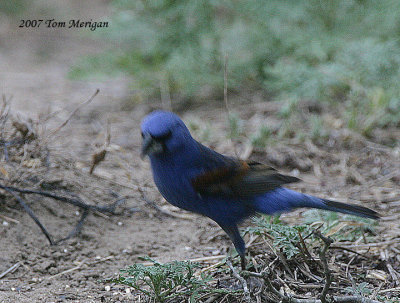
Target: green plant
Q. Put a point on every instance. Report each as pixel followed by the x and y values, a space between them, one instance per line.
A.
pixel 386 299
pixel 164 282
pixel 261 138
pixel 340 226
pixel 285 237
pixel 361 289
pixel 235 126
pixel 317 127
pixel 344 53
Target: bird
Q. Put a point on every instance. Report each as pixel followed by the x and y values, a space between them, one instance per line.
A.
pixel 228 190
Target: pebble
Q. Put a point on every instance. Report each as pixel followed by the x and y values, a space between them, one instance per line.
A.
pixel 107 288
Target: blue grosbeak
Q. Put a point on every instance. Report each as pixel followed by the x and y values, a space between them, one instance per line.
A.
pixel 227 190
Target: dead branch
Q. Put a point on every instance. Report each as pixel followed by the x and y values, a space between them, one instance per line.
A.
pixel 78 227
pixel 241 280
pixel 322 254
pixel 30 213
pixel 328 280
pixel 11 269
pixel 74 112
pixel 72 201
pixel 289 299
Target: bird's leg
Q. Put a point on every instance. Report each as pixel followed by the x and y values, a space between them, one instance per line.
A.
pixel 233 233
pixel 243 262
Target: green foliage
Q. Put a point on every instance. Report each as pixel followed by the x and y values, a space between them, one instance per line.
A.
pixel 340 226
pixel 261 138
pixel 235 126
pixel 164 282
pixel 386 299
pixel 345 52
pixel 289 107
pixel 318 130
pixel 285 237
pixel 361 289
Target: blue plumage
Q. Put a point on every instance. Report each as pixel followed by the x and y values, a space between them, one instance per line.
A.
pixel 198 179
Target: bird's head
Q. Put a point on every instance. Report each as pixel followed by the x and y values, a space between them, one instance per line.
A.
pixel 163 132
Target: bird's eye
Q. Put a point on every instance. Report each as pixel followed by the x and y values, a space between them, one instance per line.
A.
pixel 163 137
pixel 142 134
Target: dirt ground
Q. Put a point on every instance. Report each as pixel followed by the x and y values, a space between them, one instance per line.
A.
pixel 33 67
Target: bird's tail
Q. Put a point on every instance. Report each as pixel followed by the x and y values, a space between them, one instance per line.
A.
pixel 283 199
pixel 350 209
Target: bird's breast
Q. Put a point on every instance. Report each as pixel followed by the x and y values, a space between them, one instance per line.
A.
pixel 175 186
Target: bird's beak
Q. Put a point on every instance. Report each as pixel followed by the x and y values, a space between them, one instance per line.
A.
pixel 150 146
pixel 146 144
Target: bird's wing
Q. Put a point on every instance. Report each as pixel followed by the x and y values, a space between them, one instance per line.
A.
pixel 230 177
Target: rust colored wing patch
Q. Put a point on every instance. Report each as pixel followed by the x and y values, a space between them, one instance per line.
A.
pixel 243 179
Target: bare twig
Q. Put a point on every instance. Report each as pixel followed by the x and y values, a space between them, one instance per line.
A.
pixel 71 201
pixel 241 279
pixel 289 299
pixel 75 111
pixel 368 245
pixel 396 289
pixel 207 259
pixel 86 208
pixel 77 229
pixel 9 219
pixel 282 258
pixel 328 279
pixel 30 213
pixel 322 254
pixel 11 269
pixel 344 299
pixel 393 273
pixel 350 250
pixel 264 275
